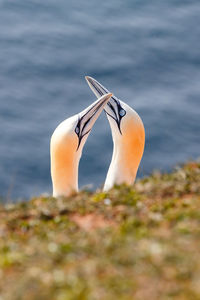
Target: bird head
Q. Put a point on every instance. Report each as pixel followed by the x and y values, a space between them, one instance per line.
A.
pixel 122 118
pixel 73 132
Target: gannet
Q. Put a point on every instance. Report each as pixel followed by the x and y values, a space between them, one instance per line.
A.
pixel 128 136
pixel 66 146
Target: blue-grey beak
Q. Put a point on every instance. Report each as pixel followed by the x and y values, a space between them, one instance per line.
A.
pixel 113 108
pixel 88 117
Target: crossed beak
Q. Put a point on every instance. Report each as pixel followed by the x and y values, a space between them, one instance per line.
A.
pixel 88 116
pixel 113 108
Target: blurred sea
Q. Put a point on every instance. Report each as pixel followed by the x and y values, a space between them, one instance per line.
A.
pixel 146 52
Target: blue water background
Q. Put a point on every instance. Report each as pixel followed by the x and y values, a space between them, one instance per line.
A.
pixel 146 52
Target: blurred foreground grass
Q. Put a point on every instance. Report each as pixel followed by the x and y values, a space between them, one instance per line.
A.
pixel 131 243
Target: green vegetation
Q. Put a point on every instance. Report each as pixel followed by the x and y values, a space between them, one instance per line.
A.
pixel 140 242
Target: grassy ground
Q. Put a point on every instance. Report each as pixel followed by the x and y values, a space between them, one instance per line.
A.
pixel 131 243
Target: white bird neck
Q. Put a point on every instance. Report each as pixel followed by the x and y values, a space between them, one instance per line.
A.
pixel 127 153
pixel 64 168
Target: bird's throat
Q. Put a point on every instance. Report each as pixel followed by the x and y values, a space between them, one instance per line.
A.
pixel 127 154
pixel 64 170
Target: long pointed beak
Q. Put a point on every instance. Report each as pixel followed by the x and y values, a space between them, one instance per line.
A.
pixel 98 89
pixel 88 116
pixel 113 107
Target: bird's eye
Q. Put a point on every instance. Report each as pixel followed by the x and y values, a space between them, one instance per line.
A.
pixel 122 112
pixel 77 130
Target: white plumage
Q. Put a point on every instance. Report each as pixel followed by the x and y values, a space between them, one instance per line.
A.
pixel 66 147
pixel 128 138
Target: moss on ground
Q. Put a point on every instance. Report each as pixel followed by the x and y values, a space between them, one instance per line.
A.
pixel 140 242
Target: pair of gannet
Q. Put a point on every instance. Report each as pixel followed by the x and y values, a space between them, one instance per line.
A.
pixel 70 136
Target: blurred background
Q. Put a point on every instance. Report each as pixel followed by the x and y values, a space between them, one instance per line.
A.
pixel 146 52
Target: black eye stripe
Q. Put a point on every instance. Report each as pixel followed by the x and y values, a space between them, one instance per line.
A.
pixel 87 122
pixel 111 116
pixel 78 130
pixel 120 111
pixel 97 108
pixel 112 108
